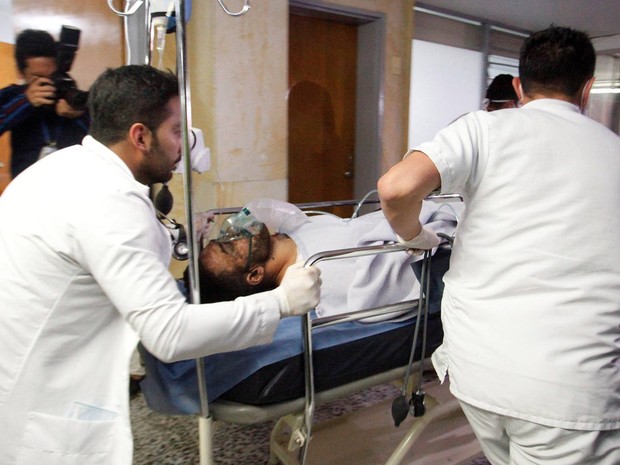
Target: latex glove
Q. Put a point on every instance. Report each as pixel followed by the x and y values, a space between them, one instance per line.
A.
pixel 203 222
pixel 299 290
pixel 426 240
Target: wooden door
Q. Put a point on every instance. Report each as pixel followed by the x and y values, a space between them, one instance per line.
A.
pixel 8 75
pixel 321 109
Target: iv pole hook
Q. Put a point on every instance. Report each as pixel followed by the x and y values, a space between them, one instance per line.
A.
pixel 244 10
pixel 131 11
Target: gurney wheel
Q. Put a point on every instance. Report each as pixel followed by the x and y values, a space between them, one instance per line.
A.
pixel 417 403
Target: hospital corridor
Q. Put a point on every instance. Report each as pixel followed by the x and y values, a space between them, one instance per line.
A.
pixel 309 232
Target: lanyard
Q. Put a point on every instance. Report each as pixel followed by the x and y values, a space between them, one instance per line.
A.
pixel 46 134
pixel 50 145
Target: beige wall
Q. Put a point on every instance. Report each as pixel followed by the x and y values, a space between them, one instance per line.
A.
pixel 239 80
pixel 239 76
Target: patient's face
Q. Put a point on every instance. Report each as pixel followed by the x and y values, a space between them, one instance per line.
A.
pixel 236 255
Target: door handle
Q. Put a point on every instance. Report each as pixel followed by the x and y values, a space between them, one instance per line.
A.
pixel 349 173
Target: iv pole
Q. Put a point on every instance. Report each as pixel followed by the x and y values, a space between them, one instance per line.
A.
pixel 205 421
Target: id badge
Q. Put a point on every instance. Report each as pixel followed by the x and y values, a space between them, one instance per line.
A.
pixel 46 150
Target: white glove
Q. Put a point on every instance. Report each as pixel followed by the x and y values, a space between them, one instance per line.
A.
pixel 426 240
pixel 300 290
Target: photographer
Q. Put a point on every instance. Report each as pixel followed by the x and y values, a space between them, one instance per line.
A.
pixel 40 121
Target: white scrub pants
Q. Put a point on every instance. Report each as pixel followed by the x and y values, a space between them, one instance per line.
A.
pixel 135 365
pixel 511 441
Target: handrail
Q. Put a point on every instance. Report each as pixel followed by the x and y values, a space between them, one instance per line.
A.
pixel 301 206
pixel 331 320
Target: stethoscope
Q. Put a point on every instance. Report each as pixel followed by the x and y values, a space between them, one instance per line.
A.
pixel 163 204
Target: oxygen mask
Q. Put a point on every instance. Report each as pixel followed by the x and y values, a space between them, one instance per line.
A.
pixel 239 226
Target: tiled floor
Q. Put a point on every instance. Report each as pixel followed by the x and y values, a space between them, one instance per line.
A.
pixel 368 436
pixel 353 431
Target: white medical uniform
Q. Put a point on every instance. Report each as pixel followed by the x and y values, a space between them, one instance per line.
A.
pixel 83 275
pixel 531 305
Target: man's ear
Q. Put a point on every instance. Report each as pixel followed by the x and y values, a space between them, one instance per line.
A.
pixel 256 275
pixel 585 93
pixel 139 136
pixel 516 85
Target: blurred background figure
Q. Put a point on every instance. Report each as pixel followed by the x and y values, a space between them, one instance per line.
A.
pixel 500 94
pixel 42 118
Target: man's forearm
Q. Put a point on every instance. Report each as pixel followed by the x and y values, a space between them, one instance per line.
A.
pixel 402 189
pixel 14 107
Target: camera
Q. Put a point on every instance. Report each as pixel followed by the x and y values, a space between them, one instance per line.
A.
pixel 66 87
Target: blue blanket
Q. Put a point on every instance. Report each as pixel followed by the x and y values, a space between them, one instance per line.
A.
pixel 172 388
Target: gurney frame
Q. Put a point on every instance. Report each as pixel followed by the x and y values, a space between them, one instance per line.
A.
pixel 291 434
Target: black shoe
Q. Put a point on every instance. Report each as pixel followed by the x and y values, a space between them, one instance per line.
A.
pixel 134 386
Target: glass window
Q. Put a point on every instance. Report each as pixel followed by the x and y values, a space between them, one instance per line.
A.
pixel 605 96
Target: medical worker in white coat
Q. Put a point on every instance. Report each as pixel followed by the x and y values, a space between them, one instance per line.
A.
pixel 84 275
pixel 531 305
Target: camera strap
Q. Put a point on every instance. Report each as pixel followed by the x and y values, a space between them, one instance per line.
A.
pixel 50 145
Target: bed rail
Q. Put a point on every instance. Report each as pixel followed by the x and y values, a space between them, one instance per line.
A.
pixel 302 434
pixel 441 198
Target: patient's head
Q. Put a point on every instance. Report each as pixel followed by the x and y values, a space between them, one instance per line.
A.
pixel 233 268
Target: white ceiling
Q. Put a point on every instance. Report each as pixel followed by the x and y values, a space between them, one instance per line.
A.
pixel 596 17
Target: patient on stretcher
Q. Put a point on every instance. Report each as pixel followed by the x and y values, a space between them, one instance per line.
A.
pixel 233 268
pixel 274 372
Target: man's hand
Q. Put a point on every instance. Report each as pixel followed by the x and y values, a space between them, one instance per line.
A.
pixel 300 288
pixel 426 240
pixel 67 111
pixel 41 91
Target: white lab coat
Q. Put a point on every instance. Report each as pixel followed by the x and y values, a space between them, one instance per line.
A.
pixel 83 275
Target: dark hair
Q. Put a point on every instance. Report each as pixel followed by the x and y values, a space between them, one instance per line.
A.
pixel 501 88
pixel 121 97
pixel 557 59
pixel 33 43
pixel 207 293
pixel 224 286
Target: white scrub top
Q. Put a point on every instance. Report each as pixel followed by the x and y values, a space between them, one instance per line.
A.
pixel 531 305
pixel 83 275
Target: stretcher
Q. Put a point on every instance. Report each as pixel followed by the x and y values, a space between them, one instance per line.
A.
pixel 301 408
pixel 323 359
